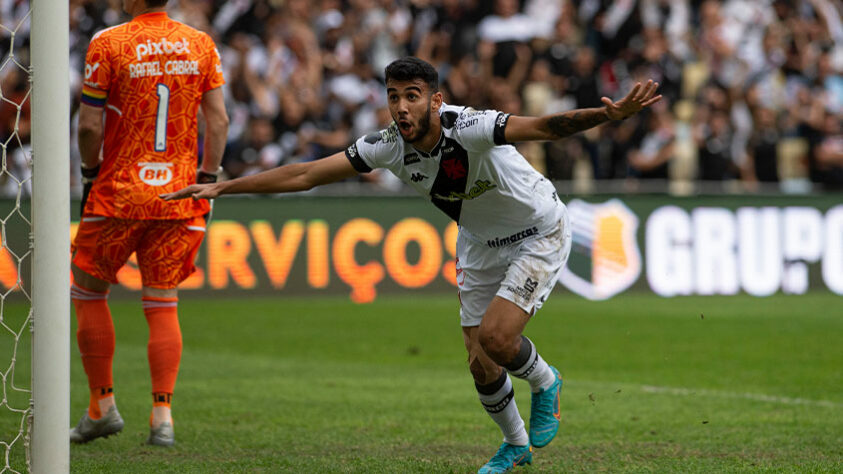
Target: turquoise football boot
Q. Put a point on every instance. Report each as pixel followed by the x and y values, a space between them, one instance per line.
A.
pixel 545 413
pixel 507 457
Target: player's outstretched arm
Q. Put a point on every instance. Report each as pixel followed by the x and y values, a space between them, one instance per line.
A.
pixel 284 179
pixel 554 127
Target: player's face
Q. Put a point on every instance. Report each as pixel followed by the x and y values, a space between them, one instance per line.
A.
pixel 411 105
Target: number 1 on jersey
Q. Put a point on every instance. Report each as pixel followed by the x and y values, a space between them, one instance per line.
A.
pixel 161 118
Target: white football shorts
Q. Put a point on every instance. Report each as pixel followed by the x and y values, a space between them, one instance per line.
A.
pixel 523 272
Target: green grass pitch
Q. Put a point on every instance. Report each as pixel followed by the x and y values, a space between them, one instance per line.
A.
pixel 717 384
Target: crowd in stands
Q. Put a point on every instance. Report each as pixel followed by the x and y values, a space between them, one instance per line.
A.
pixel 753 89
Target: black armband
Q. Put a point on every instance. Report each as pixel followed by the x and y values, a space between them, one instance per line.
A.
pixel 203 177
pixel 90 174
pixel 498 132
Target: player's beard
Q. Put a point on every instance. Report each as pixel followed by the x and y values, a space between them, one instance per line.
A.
pixel 424 125
pixel 422 129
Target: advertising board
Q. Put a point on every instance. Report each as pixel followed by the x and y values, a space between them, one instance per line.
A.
pixel 363 247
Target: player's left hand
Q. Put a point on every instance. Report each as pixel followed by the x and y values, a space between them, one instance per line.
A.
pixel 195 191
pixel 638 98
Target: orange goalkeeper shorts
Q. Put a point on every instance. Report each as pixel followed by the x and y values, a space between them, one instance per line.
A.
pixel 166 249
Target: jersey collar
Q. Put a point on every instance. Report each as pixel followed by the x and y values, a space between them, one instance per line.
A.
pixel 436 148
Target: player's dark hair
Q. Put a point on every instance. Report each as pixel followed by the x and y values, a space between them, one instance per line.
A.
pixel 156 3
pixel 410 68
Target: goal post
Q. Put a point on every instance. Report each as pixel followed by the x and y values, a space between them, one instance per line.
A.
pixel 50 445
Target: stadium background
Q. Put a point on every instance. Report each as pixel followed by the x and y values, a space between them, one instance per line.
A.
pixel 750 128
pixel 753 107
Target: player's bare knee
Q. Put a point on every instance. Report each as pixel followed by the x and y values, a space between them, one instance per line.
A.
pixel 149 292
pixel 497 346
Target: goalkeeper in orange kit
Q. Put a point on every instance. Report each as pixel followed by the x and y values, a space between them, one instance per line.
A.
pixel 145 81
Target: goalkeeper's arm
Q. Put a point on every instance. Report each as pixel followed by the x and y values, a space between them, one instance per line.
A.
pixel 90 141
pixel 216 132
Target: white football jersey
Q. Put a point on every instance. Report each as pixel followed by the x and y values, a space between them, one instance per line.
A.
pixel 472 175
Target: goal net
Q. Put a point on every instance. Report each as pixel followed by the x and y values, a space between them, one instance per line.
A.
pixel 34 237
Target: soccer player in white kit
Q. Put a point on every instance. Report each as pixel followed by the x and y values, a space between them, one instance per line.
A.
pixel 514 234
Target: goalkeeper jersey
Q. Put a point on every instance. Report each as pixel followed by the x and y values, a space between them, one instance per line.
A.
pixel 149 75
pixel 471 174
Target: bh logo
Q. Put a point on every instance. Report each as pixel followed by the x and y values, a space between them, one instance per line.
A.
pixel 156 174
pixel 605 259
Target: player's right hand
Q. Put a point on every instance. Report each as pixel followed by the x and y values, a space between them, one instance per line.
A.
pixel 195 191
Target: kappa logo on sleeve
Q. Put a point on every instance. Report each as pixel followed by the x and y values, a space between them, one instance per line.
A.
pixel 352 151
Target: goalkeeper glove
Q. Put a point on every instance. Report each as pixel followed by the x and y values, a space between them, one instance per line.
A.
pixel 88 177
pixel 203 177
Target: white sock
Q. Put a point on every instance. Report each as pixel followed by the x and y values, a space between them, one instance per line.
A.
pixel 498 398
pixel 105 404
pixel 160 414
pixel 529 365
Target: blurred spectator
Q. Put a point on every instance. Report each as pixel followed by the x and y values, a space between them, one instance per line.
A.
pixel 714 141
pixel 673 18
pixel 826 152
pixel 509 30
pixel 255 153
pixel 761 161
pixel 463 83
pixel 650 157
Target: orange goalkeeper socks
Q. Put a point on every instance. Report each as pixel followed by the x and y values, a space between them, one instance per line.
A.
pixel 101 401
pixel 164 350
pixel 95 336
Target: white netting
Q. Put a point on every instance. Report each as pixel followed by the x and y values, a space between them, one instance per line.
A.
pixel 15 230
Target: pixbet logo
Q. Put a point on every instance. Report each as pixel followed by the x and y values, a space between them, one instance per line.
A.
pixel 151 48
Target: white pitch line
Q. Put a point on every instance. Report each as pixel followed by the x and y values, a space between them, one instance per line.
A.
pixel 685 391
pixel 758 397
